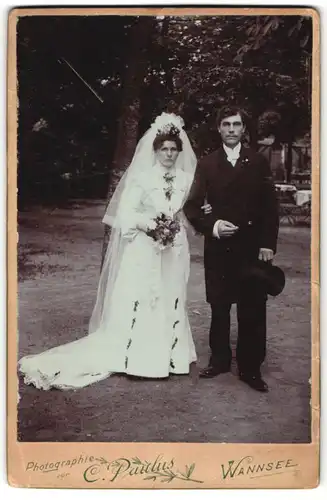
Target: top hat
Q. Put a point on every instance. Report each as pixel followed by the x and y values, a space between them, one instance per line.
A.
pixel 269 278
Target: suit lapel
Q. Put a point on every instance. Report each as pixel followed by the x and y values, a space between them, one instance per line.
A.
pixel 243 161
pixel 226 171
pixel 225 168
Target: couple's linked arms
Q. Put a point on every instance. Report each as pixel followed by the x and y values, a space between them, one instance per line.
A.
pixel 202 221
pixel 200 214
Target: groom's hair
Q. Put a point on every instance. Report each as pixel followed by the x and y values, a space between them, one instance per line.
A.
pixel 227 111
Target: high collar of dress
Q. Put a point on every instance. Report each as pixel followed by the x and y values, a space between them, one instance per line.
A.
pixel 162 171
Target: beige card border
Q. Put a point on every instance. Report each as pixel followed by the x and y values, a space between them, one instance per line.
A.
pixel 77 465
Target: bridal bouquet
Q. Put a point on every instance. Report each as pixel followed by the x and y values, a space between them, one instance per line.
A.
pixel 165 230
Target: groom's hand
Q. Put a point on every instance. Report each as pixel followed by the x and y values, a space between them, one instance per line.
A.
pixel 207 208
pixel 266 254
pixel 224 229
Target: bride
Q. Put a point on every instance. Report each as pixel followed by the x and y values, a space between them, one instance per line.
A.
pixel 139 325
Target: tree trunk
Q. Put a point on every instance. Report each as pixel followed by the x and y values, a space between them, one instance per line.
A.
pixel 253 133
pixel 136 67
pixel 289 160
pixel 165 62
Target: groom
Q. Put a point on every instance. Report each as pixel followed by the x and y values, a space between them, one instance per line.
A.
pixel 241 228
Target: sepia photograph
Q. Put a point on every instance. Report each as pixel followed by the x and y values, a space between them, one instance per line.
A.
pixel 164 191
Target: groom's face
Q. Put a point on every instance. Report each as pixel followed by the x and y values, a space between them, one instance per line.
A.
pixel 231 130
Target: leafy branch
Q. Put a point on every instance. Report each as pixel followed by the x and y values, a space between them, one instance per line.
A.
pixel 104 461
pixel 164 475
pixel 167 476
pixel 138 461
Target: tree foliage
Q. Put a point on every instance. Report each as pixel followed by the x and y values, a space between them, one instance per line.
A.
pixel 200 63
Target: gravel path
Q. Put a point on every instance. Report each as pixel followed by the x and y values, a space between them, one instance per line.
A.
pixel 59 256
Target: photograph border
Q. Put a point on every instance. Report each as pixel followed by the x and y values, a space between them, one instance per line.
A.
pixel 298 463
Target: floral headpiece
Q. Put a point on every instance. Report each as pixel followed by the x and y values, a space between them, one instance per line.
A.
pixel 169 129
pixel 168 123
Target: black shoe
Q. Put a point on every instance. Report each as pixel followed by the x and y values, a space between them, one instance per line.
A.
pixel 254 381
pixel 212 371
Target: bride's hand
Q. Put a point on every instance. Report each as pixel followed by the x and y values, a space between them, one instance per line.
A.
pixel 151 225
pixel 145 224
pixel 207 208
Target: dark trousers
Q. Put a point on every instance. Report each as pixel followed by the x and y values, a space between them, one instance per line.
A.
pixel 251 342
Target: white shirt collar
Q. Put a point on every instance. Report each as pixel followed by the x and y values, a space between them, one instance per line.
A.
pixel 233 153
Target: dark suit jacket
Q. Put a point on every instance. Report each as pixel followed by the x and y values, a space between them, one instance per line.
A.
pixel 243 194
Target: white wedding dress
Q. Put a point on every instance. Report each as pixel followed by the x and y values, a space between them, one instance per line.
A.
pixel 146 330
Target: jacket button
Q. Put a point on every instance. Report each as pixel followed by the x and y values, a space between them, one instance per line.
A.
pixel 250 223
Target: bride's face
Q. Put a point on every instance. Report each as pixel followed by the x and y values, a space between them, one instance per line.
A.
pixel 167 154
